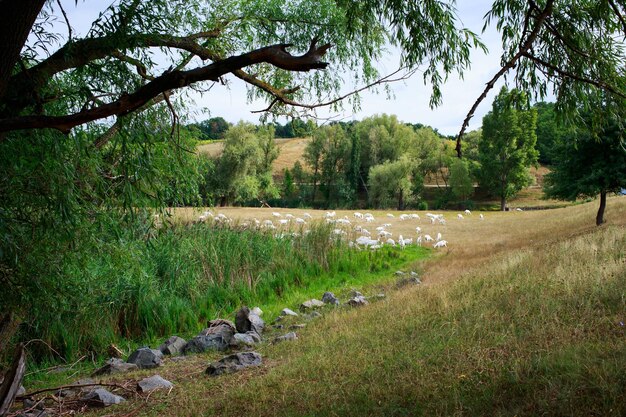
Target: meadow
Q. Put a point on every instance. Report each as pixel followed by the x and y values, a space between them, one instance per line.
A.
pixel 522 314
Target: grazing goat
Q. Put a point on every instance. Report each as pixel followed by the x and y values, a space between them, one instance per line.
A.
pixel 440 244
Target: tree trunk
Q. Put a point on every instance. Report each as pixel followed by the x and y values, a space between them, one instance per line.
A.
pixel 401 200
pixel 600 215
pixel 12 381
pixel 16 21
pixel 502 203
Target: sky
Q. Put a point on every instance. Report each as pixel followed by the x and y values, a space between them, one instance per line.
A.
pixel 411 97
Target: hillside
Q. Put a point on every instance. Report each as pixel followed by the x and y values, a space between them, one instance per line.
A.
pixel 291 150
pixel 522 314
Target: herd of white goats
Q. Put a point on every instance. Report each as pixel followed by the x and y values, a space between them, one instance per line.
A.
pixel 379 237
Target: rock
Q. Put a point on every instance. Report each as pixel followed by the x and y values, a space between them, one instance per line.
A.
pixel 215 337
pixel 245 339
pixel 201 344
pixel 329 298
pixel 234 363
pixel 257 311
pixel 286 337
pixel 20 391
pixel 355 293
pixel 413 274
pixel 153 383
pixel 297 326
pixel 115 366
pixel 400 273
pixel 219 326
pixel 403 282
pixel 312 315
pixel 311 304
pixel 288 312
pixel 101 398
pixel 380 296
pixel 246 321
pixel 357 301
pixel 173 345
pixel 146 358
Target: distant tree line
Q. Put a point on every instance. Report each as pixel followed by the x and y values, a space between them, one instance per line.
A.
pixel 381 162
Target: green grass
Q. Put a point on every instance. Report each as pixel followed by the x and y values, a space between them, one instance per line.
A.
pixel 537 331
pixel 137 293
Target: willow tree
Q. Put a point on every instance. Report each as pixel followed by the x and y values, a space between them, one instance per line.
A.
pixel 573 49
pixel 589 162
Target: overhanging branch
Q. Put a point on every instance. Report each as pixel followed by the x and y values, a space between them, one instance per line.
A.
pixel 276 55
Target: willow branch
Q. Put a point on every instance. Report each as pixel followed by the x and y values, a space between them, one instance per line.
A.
pixel 564 73
pixel 524 47
pixel 276 55
pixel 280 96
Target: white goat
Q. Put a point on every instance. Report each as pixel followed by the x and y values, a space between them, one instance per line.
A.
pixel 440 244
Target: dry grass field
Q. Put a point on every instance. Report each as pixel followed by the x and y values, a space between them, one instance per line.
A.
pixel 521 315
pixel 471 241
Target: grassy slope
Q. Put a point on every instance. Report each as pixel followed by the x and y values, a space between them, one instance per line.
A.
pixel 529 325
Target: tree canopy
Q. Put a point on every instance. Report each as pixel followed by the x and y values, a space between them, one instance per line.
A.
pixel 507 147
pixel 588 162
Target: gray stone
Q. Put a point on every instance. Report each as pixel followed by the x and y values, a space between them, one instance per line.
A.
pixel 286 337
pixel 246 321
pixel 115 366
pixel 312 315
pixel 146 358
pixel 288 312
pixel 219 326
pixel 201 344
pixel 400 273
pixel 101 398
pixel 357 301
pixel 20 391
pixel 355 293
pixel 311 304
pixel 173 345
pixel 403 282
pixel 153 383
pixel 234 363
pixel 257 311
pixel 245 339
pixel 329 298
pixel 215 337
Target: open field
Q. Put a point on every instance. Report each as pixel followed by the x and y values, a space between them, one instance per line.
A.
pixel 522 315
pixel 471 240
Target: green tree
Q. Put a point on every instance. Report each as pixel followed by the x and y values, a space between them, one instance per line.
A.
pixel 313 154
pixel 460 180
pixel 289 187
pixel 391 182
pixel 507 148
pixel 589 162
pixel 213 128
pixel 550 130
pixel 335 160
